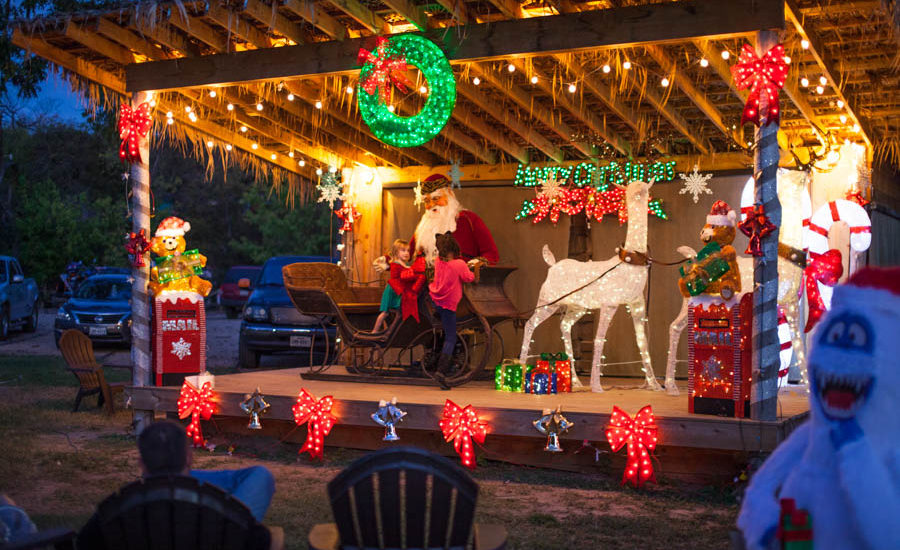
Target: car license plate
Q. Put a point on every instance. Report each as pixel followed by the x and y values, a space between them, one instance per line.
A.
pixel 97 331
pixel 301 341
pixel 243 293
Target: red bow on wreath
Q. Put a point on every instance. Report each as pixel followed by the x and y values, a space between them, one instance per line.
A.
pixel 137 246
pixel 134 124
pixel 825 268
pixel 348 214
pixel 640 435
pixel 316 414
pixel 197 404
pixel 756 226
pixel 386 70
pixel 462 425
pixel 764 77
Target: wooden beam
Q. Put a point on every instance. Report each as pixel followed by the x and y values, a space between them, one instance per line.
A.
pixel 490 133
pixel 499 112
pixel 845 6
pixel 199 29
pixel 591 30
pixel 511 9
pixel 680 79
pixel 97 43
pixel 588 118
pixel 235 25
pixel 456 8
pixel 602 91
pixel 828 66
pixel 410 11
pixel 163 33
pixel 528 102
pixel 68 61
pixel 130 40
pixel 317 17
pixel 363 15
pixel 268 15
pixel 720 66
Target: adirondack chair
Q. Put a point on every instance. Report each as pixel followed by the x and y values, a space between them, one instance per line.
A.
pixel 175 513
pixel 78 351
pixel 382 501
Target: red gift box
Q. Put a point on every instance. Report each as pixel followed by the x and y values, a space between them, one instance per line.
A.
pixel 563 370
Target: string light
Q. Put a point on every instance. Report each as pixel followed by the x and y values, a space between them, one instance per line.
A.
pixel 255 146
pixel 290 97
pixel 273 156
pixel 153 103
pixel 244 129
pixel 804 82
pixel 349 90
pixel 511 68
pixel 572 88
pixel 212 93
pixel 187 109
pixel 704 62
pixel 843 119
pixel 476 81
pixel 823 81
pixel 301 163
pixel 230 107
pixel 856 128
pixel 318 104
pixel 804 44
pixel 318 171
pixel 664 82
pixel 589 174
pixel 787 60
pixel 169 114
pixel 228 147
pixel 192 116
pixel 209 144
pixel 820 90
pixel 534 79
pixel 259 106
pixel 606 68
pixel 391 108
pixel 423 90
pixel 726 55
pixel 840 104
pixel 332 169
pixel 626 65
pixel 291 154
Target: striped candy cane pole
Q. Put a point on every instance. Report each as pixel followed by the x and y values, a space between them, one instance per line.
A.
pixel 140 301
pixel 766 361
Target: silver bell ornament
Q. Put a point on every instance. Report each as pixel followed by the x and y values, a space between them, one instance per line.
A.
pixel 388 415
pixel 552 424
pixel 254 405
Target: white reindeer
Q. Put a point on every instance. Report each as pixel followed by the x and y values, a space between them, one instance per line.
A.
pixel 601 286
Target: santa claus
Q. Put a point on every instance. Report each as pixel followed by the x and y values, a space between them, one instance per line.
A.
pixel 444 213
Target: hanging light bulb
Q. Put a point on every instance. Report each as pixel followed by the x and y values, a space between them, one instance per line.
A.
pixel 209 144
pixel 318 171
pixel 572 88
pixel 349 89
pixel 244 129
pixel 787 60
pixel 291 154
pixel 169 114
pixel 391 108
pixel 823 81
pixel 511 68
pixel 301 163
pixel 664 82
pixel 230 107
pixel 534 79
pixel 626 65
pixel 153 103
pixel 318 104
pixel 704 62
pixel 843 119
pixel 255 146
pixel 228 147
pixel 820 90
pixel 273 156
pixel 212 93
pixel 423 90
pixel 259 107
pixel 192 116
pixel 187 108
pixel 606 68
pixel 804 44
pixel 170 121
pixel 476 81
pixel 726 54
pixel 840 104
pixel 290 97
pixel 856 128
pixel 804 82
pixel 332 169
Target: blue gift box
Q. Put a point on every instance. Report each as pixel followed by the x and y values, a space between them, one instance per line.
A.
pixel 540 382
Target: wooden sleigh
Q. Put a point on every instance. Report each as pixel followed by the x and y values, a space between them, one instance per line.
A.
pixel 406 352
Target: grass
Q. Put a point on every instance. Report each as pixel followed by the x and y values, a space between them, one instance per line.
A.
pixel 58 465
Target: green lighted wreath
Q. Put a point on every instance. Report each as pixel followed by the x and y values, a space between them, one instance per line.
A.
pixel 415 130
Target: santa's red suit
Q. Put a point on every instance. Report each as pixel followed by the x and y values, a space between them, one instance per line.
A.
pixel 473 236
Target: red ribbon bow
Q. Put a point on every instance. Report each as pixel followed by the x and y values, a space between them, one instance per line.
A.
pixel 462 426
pixel 317 415
pixel 640 435
pixel 825 268
pixel 386 70
pixel 857 197
pixel 134 124
pixel 348 214
pixel 764 77
pixel 137 246
pixel 197 404
pixel 757 226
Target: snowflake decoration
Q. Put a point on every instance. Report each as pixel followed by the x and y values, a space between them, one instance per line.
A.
pixel 420 199
pixel 329 193
pixel 551 188
pixel 695 183
pixel 181 349
pixel 455 175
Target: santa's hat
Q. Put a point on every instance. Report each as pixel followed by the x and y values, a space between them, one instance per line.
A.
pixel 871 288
pixel 172 227
pixel 721 214
pixel 434 182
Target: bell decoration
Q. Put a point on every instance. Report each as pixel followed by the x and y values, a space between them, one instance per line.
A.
pixel 551 424
pixel 255 405
pixel 388 415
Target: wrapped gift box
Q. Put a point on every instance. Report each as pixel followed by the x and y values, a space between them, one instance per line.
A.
pixel 540 382
pixel 510 376
pixel 561 365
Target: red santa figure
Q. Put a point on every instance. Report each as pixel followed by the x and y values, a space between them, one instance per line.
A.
pixel 444 213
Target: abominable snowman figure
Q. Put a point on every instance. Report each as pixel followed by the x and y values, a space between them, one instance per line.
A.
pixel 843 464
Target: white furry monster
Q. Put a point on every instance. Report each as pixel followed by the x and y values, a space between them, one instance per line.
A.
pixel 843 464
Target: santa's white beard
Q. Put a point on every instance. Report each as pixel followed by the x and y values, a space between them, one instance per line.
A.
pixel 438 219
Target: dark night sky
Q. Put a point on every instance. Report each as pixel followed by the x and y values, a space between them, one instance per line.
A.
pixel 56 97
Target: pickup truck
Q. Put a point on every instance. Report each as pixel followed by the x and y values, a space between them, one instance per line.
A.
pixel 18 298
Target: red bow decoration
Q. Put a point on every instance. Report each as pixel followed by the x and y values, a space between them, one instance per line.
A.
pixel 856 196
pixel 316 414
pixel 640 435
pixel 137 246
pixel 825 268
pixel 764 77
pixel 134 124
pixel 348 214
pixel 197 404
pixel 386 70
pixel 757 226
pixel 462 426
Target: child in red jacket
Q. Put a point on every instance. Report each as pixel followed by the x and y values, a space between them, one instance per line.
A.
pixel 446 291
pixel 393 292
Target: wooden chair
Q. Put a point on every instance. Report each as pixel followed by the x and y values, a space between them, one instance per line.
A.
pixel 78 351
pixel 403 497
pixel 176 513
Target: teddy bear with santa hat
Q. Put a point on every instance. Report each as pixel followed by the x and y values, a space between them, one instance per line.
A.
pixel 176 269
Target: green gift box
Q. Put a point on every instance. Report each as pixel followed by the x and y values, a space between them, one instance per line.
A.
pixel 510 376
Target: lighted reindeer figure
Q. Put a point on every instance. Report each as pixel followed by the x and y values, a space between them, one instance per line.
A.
pixel 795 209
pixel 582 287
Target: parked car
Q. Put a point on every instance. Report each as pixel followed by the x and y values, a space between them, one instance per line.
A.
pixel 232 298
pixel 271 323
pixel 101 308
pixel 18 298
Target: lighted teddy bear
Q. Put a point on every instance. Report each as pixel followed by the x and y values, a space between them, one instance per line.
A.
pixel 175 268
pixel 839 472
pixel 713 270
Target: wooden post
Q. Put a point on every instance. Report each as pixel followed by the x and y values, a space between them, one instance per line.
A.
pixel 764 389
pixel 140 300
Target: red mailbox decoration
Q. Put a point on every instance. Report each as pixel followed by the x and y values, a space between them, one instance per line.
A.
pixel 179 324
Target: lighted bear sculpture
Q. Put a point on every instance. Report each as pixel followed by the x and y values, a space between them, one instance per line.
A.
pixel 843 465
pixel 176 269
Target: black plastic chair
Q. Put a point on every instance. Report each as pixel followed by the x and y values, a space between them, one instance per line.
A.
pixel 175 513
pixel 403 497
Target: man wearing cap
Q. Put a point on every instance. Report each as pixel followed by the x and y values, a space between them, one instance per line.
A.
pixel 444 213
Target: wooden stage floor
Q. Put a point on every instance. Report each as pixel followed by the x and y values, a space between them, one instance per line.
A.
pixel 509 414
